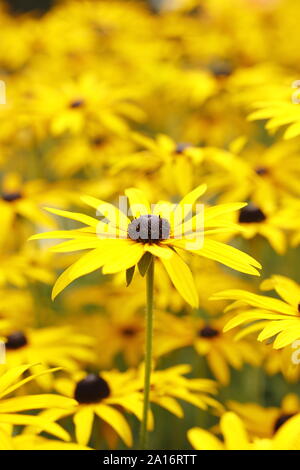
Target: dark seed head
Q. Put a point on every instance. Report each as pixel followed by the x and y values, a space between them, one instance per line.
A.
pixel 16 340
pixel 208 332
pixel 281 420
pixel 261 170
pixel 149 228
pixel 129 332
pixel 299 307
pixel 181 147
pixel 91 389
pixel 221 68
pixel 98 141
pixel 76 104
pixel 11 197
pixel 251 214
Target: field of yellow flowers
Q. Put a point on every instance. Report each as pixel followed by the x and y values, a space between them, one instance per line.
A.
pixel 149 225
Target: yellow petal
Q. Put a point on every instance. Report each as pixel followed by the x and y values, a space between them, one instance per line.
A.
pixel 83 421
pixel 229 256
pixel 139 205
pixel 185 205
pixel 204 440
pixel 182 278
pixel 84 219
pixel 60 234
pixel 89 262
pixel 6 442
pixel 116 420
pixel 159 251
pixel 255 300
pixel 122 261
pixel 12 388
pixel 34 402
pixel 112 213
pixel 288 435
pixel 234 432
pixel 220 209
pixel 42 424
pixel 169 404
pixel 10 376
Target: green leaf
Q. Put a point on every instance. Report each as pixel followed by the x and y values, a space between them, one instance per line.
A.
pixel 129 275
pixel 144 263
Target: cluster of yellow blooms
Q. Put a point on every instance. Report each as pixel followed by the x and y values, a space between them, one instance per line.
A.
pixel 166 102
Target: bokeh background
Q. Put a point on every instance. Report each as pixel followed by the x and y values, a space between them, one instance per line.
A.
pixel 162 95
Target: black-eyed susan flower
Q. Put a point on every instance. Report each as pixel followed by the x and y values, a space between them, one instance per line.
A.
pixel 220 349
pixel 52 346
pixel 274 318
pixel 174 162
pixel 235 436
pixel 263 175
pixel 264 422
pixel 123 243
pixel 170 386
pixel 272 226
pixel 134 240
pixel 285 361
pixel 126 330
pixel 23 199
pixel 23 267
pixel 106 396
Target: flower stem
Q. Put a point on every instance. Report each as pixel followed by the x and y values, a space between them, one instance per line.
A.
pixel 148 354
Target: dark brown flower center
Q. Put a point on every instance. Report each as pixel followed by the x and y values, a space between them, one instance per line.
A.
pixel 251 214
pixel 208 332
pixel 221 68
pixel 299 307
pixel 129 332
pixel 10 197
pixel 181 147
pixel 16 340
pixel 261 170
pixel 149 228
pixel 99 141
pixel 91 389
pixel 76 104
pixel 281 420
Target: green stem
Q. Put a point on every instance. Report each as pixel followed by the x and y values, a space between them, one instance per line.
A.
pixel 148 354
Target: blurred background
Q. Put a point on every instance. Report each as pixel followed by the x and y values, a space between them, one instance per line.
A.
pixel 163 95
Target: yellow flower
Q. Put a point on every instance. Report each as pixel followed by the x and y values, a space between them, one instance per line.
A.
pixel 99 396
pixel 22 267
pixel 125 329
pixel 236 437
pixel 52 346
pixel 263 175
pixel 283 361
pixel 23 199
pixel 170 385
pixel 272 226
pixel 10 408
pixel 119 254
pixel 274 317
pixel 280 112
pixel 220 350
pixel 173 162
pixel 265 422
